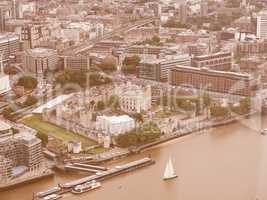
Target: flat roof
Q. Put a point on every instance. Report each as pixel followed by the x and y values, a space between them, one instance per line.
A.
pixel 4 126
pixel 50 104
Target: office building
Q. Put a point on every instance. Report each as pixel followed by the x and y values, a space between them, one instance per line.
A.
pixel 216 61
pixel 5 14
pixel 5 130
pixel 262 25
pixel 204 8
pixel 39 60
pixel 22 149
pixel 9 45
pixel 215 81
pixel 158 69
pixel 4 81
pixel 183 12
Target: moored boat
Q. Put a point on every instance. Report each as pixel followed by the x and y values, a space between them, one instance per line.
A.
pixel 264 131
pixel 88 186
pixel 52 197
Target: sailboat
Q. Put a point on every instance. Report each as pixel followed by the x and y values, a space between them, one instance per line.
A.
pixel 169 172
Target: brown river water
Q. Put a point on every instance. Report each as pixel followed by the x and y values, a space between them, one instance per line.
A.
pixel 223 163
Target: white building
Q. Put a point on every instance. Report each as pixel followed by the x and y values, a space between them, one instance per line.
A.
pixel 4 84
pixel 262 25
pixel 4 81
pixel 114 125
pixel 134 98
pixel 5 129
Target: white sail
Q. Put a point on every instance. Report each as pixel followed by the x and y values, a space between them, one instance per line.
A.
pixel 169 172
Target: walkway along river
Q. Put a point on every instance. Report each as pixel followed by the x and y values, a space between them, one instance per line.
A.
pixel 227 162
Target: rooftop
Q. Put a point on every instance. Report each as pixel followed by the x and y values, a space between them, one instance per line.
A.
pixel 41 52
pixel 4 126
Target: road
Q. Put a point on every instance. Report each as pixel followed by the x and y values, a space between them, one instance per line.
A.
pixel 83 46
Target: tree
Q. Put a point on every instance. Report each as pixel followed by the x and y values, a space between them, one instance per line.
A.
pixel 245 105
pixel 172 23
pixel 130 64
pixel 100 105
pixel 80 77
pixel 92 104
pixel 108 64
pixel 28 82
pixel 147 133
pixel 219 111
pixel 114 101
pixel 42 137
pixel 8 113
pixel 132 60
pixel 206 99
pixel 31 100
pixel 139 117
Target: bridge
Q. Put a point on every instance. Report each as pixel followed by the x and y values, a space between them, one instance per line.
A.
pixel 84 46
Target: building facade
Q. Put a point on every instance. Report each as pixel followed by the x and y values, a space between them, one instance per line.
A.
pixel 9 45
pixel 216 61
pixel 39 60
pixel 134 98
pixel 22 149
pixel 114 125
pixel 214 81
pixel 158 69
pixel 262 25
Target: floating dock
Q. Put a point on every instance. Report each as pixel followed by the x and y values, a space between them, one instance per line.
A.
pixel 100 176
pixel 72 167
pixel 90 166
pixel 111 172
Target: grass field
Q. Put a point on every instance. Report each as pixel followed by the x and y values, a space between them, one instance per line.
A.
pixel 60 133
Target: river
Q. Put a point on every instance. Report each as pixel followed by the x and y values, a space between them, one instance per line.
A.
pixel 223 163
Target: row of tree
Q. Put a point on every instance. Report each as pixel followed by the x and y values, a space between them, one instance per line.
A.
pixel 82 78
pixel 145 134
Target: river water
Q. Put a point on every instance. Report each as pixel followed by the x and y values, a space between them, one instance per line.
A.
pixel 224 163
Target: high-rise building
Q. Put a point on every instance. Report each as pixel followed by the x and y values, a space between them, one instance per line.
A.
pixel 262 25
pixel 22 149
pixel 5 14
pixel 40 59
pixel 9 45
pixel 204 8
pixel 158 69
pixel 183 12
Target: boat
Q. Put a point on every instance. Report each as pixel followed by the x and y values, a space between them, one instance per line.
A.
pixel 88 186
pixel 169 172
pixel 52 197
pixel 264 131
pixel 48 192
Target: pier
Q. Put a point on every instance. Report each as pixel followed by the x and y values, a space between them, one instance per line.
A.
pixel 90 166
pixel 99 176
pixel 72 167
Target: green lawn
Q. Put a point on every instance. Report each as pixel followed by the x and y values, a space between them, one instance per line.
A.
pixel 60 133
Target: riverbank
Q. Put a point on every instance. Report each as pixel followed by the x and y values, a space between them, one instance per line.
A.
pixel 205 125
pixel 18 182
